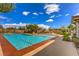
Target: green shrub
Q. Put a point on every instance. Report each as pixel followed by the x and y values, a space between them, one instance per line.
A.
pixel 66 36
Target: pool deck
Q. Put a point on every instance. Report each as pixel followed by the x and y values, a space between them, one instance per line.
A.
pixel 59 48
pixel 1 53
pixel 7 49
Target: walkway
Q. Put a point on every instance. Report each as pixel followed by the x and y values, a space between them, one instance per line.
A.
pixel 59 48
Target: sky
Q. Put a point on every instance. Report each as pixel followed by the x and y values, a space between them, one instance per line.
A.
pixel 54 15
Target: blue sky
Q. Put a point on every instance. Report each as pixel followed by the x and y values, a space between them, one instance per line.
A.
pixel 53 15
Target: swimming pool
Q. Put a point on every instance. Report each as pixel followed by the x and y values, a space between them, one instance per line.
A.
pixel 20 41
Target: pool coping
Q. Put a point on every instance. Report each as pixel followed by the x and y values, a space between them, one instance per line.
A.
pixel 39 48
pixel 35 47
pixel 1 53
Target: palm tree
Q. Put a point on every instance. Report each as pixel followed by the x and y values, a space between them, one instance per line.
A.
pixel 6 7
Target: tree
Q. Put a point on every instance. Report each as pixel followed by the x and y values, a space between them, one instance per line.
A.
pixel 6 7
pixel 71 30
pixel 32 28
pixel 63 29
pixel 50 29
pixel 71 26
pixel 10 29
pixel 21 28
pixel 67 32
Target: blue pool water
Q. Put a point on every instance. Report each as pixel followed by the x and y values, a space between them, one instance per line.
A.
pixel 20 41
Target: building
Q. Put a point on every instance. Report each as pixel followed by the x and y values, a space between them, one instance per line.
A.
pixel 75 21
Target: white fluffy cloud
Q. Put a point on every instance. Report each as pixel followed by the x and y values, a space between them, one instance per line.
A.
pixel 44 26
pixel 67 14
pixel 49 20
pixel 25 13
pixel 77 14
pixel 52 16
pixel 35 13
pixel 51 8
pixel 2 17
pixel 41 13
pixel 59 15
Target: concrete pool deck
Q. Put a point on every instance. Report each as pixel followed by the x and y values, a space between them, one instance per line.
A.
pixel 8 50
pixel 59 48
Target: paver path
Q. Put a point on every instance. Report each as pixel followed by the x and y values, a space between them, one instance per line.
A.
pixel 59 48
